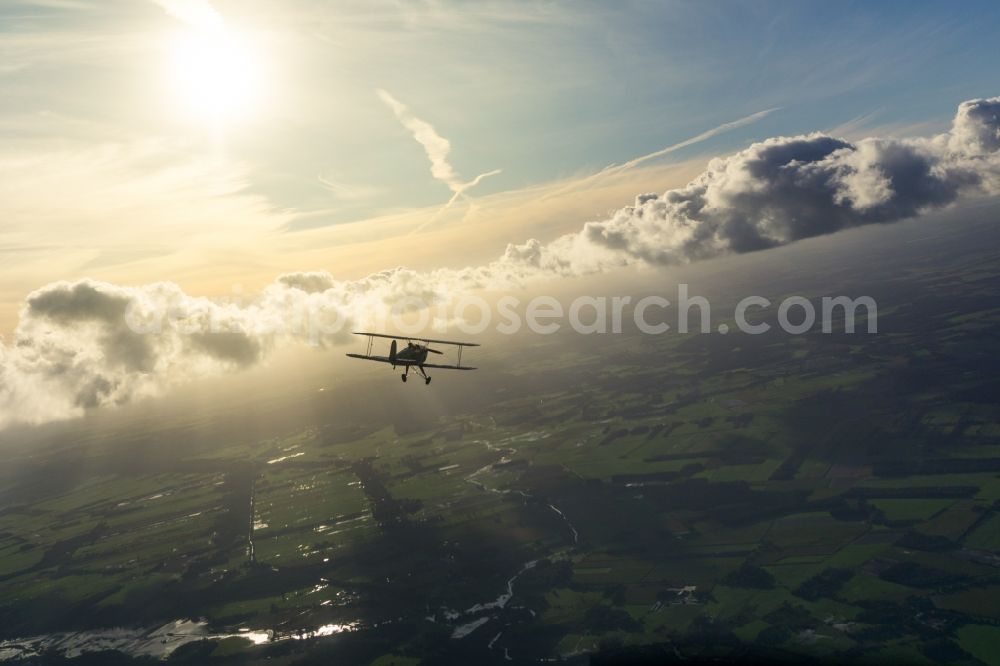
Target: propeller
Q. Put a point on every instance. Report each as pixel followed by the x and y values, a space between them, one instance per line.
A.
pixel 433 351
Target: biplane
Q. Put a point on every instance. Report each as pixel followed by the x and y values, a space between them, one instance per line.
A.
pixel 413 355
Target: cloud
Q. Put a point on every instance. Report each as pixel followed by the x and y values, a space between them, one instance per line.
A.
pixel 976 130
pixel 789 188
pixel 90 344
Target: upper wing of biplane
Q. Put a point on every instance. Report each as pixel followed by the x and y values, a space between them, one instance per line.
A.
pixel 417 338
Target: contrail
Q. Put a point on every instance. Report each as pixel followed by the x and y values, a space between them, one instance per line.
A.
pixel 437 149
pixel 725 127
pixel 435 146
pixel 458 193
pixel 704 136
pixel 616 168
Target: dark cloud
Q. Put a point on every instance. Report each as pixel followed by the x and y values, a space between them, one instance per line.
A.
pixel 90 344
pixel 233 347
pixel 87 300
pixel 310 282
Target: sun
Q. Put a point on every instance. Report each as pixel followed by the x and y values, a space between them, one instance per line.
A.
pixel 216 76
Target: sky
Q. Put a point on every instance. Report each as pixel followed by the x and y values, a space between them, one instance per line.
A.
pixel 213 146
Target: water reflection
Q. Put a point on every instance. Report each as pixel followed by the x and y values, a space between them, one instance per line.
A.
pixel 158 643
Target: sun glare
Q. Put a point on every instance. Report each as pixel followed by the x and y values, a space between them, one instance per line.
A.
pixel 216 76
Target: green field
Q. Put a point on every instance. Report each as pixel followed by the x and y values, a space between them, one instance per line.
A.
pixel 829 497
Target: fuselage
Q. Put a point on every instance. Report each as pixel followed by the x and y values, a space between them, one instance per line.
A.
pixel 411 354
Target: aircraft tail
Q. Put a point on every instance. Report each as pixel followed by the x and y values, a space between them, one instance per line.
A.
pixel 392 353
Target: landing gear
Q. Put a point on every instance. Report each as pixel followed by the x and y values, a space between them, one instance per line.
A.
pixel 406 371
pixel 423 373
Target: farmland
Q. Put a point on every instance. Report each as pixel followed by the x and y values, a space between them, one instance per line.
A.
pixel 708 496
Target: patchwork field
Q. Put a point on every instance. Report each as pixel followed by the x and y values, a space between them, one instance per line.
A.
pixel 833 496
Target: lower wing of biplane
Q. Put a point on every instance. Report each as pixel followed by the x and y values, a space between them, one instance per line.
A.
pixel 413 355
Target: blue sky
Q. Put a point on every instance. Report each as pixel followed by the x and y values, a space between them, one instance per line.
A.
pixel 543 91
pixel 581 85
